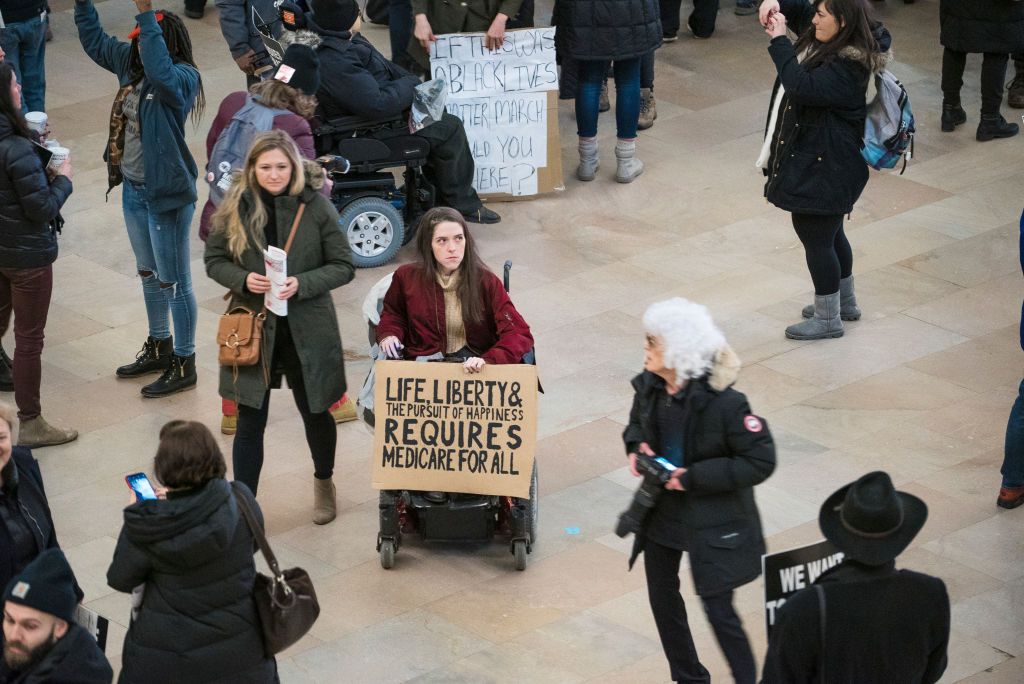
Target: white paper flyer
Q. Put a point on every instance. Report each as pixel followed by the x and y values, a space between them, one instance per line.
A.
pixel 276 261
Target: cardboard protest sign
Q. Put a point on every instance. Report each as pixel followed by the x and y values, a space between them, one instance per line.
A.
pixel 94 623
pixel 508 101
pixel 440 429
pixel 787 572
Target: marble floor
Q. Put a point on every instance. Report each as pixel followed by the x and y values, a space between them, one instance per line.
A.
pixel 921 386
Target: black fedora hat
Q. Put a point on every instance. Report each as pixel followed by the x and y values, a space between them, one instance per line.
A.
pixel 870 521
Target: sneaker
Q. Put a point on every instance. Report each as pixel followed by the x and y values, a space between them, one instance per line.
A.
pixel 745 7
pixel 179 376
pixel 152 358
pixel 669 37
pixel 482 215
pixel 228 425
pixel 344 410
pixel 36 432
pixel 604 104
pixel 1010 497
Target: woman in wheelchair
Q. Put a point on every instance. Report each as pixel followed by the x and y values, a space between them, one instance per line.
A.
pixel 449 303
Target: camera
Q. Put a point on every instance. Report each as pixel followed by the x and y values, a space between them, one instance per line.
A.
pixel 656 472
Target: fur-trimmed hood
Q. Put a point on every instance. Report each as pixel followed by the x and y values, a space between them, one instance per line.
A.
pixel 302 37
pixel 876 60
pixel 724 370
pixel 314 175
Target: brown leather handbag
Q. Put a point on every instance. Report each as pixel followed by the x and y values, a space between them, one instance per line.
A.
pixel 240 331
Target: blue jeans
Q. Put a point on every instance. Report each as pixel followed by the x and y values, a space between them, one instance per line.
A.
pixel 627 96
pixel 1013 455
pixel 160 243
pixel 25 45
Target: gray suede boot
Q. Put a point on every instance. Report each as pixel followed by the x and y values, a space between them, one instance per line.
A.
pixel 823 324
pixel 588 159
pixel 629 167
pixel 848 309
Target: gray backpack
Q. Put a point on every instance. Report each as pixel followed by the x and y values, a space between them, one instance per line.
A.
pixel 232 146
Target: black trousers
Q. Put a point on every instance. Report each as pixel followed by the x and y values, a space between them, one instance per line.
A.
pixel 702 19
pixel 321 433
pixel 661 564
pixel 993 77
pixel 450 165
pixel 828 252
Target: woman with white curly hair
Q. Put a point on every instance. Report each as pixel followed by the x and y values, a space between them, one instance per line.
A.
pixel 686 412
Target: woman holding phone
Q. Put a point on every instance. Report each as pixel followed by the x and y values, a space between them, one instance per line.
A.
pixel 192 553
pixel 31 197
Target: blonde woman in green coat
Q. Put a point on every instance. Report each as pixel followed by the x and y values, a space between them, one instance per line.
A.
pixel 305 345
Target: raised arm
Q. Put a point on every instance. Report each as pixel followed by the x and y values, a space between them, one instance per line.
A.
pixel 174 84
pixel 106 50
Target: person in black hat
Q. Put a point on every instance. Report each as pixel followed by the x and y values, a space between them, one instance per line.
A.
pixel 358 81
pixel 42 643
pixel 864 620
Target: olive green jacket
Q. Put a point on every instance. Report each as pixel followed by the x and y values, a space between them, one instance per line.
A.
pixel 320 258
pixel 458 16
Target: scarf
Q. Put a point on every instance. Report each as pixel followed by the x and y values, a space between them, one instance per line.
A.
pixel 454 326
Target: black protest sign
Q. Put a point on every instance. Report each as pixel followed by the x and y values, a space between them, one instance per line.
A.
pixel 787 572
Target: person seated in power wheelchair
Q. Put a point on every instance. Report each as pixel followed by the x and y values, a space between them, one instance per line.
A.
pixel 358 81
pixel 449 305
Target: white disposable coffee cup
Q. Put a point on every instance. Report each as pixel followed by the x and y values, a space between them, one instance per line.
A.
pixel 36 121
pixel 51 144
pixel 60 154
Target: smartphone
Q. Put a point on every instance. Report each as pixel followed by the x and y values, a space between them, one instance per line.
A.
pixel 140 484
pixel 665 463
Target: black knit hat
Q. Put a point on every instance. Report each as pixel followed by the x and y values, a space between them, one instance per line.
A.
pixel 46 584
pixel 300 69
pixel 335 15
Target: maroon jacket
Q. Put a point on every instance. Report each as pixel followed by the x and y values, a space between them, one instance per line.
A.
pixel 292 124
pixel 416 317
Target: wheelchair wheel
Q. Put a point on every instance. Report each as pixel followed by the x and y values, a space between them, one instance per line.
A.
pixel 387 554
pixel 533 507
pixel 374 230
pixel 519 554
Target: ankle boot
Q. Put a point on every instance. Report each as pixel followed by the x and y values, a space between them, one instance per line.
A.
pixel 824 324
pixel 325 506
pixel 36 432
pixel 995 126
pixel 179 376
pixel 648 109
pixel 629 167
pixel 848 309
pixel 152 358
pixel 1016 96
pixel 1010 497
pixel 343 410
pixel 6 372
pixel 952 116
pixel 588 159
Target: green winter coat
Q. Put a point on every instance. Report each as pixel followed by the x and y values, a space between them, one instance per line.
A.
pixel 320 258
pixel 458 16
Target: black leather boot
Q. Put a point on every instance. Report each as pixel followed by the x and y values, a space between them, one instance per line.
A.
pixel 995 126
pixel 152 358
pixel 6 372
pixel 179 376
pixel 952 116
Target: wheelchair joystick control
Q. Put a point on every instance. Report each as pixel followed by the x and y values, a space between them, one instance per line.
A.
pixel 334 164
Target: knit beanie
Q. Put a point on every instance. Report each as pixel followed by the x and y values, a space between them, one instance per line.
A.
pixel 300 69
pixel 46 584
pixel 335 15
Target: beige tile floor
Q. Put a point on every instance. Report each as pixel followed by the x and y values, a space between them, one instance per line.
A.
pixel 921 386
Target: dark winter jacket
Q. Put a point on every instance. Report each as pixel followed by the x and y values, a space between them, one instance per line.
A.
pixel 726 451
pixel 75 659
pixel 415 316
pixel 465 16
pixel 29 203
pixel 23 510
pixel 815 165
pixel 237 27
pixel 882 626
pixel 982 25
pixel 13 11
pixel 606 29
pixel 357 80
pixel 168 91
pixel 321 259
pixel 294 125
pixel 197 621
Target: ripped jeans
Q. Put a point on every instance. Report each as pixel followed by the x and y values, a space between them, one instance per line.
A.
pixel 160 243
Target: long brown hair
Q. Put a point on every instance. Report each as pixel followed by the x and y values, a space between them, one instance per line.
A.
pixel 471 270
pixel 7 108
pixel 277 95
pixel 229 215
pixel 855 19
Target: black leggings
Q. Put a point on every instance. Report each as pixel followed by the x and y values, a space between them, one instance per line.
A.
pixel 993 76
pixel 829 256
pixel 321 433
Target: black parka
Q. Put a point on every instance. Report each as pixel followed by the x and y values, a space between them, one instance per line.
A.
pixel 197 621
pixel 74 659
pixel 815 166
pixel 982 25
pixel 726 451
pixel 606 29
pixel 29 203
